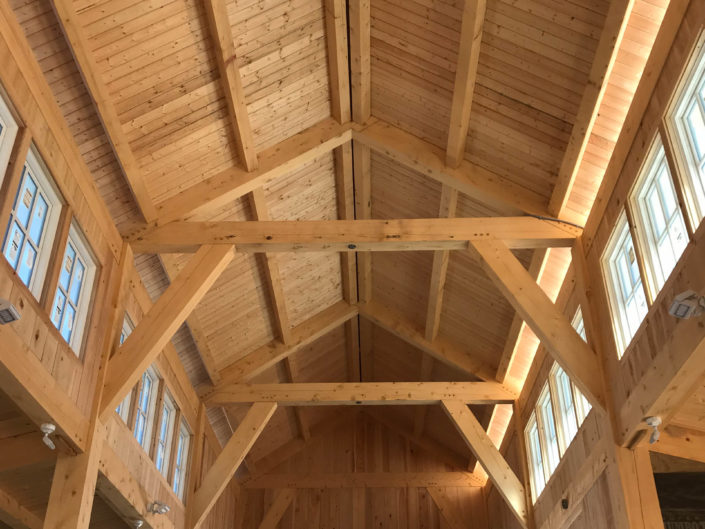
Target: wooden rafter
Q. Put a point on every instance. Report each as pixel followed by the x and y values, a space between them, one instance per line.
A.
pixel 605 57
pixel 276 511
pixel 23 450
pixel 446 507
pixel 468 178
pixel 353 235
pixel 14 514
pixel 362 393
pixel 548 323
pixel 346 211
pixel 221 33
pixel 274 352
pixel 228 461
pixel 680 442
pixel 105 108
pixel 194 324
pixel 337 41
pixel 438 349
pixel 351 480
pixel 275 161
pixel 157 327
pixel 503 477
pixel 360 59
pixel 465 74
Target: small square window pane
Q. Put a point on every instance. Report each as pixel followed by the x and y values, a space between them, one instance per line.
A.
pixel 14 244
pixel 38 219
pixel 68 322
pixel 79 271
pixel 696 128
pixel 25 200
pixel 58 308
pixel 67 266
pixel 26 264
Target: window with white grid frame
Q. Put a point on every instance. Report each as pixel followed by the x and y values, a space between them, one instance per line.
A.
pixel 686 126
pixel 533 446
pixel 181 461
pixel 562 390
pixel 31 227
pixel 624 286
pixel 146 404
pixel 73 293
pixel 8 134
pixel 547 428
pixel 167 418
pixel 123 409
pixel 658 217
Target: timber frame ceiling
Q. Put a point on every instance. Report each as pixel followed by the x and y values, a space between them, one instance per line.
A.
pixel 196 115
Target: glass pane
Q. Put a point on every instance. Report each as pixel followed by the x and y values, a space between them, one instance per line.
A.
pixel 139 428
pixel 549 430
pixel 696 129
pixel 14 243
pixel 668 193
pixel 623 271
pixel 58 308
pixel 536 459
pixel 38 219
pixel 67 266
pixel 77 281
pixel 26 265
pixel 25 199
pixel 68 322
pixel 655 213
pixel 570 426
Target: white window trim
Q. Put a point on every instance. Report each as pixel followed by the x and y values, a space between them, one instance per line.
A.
pixel 167 403
pixel 181 486
pixel 560 411
pixel 151 408
pixel 617 309
pixel 694 193
pixel 578 323
pixel 7 135
pixel 84 299
pixel 656 156
pixel 546 394
pixel 36 166
pixel 535 490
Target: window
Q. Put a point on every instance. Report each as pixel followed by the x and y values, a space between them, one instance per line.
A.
pixel 548 428
pixel 579 324
pixel 123 409
pixel 145 408
pixel 686 122
pixel 562 388
pixel 659 216
pixel 73 293
pixel 533 444
pixel 8 133
pixel 30 231
pixel 164 436
pixel 182 447
pixel 625 289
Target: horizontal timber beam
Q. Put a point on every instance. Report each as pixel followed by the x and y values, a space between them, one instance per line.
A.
pixel 468 178
pixel 353 235
pixel 277 160
pixel 439 349
pixel 370 480
pixel 681 442
pixel 15 515
pixel 367 393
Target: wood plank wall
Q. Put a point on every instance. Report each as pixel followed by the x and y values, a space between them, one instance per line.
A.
pixel 363 444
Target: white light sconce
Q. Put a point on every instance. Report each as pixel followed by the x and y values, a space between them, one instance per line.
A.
pixel 654 422
pixel 47 429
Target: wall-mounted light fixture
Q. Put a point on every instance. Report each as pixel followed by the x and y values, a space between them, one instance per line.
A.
pixel 8 312
pixel 653 422
pixel 158 507
pixel 687 304
pixel 47 429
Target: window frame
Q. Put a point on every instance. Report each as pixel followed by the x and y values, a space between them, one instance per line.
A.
pixel 85 299
pixel 42 178
pixel 179 488
pixel 535 457
pixel 689 175
pixel 654 266
pixel 169 403
pixel 546 445
pixel 610 273
pixel 9 128
pixel 561 411
pixel 146 441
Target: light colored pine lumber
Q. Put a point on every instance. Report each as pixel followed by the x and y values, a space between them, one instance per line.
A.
pixel 337 41
pixel 160 323
pixel 224 48
pixel 446 507
pixel 361 393
pixel 225 465
pixel 276 511
pixel 465 78
pixel 503 477
pixel 105 107
pixel 14 514
pixel 360 59
pixel 369 480
pixel 548 323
